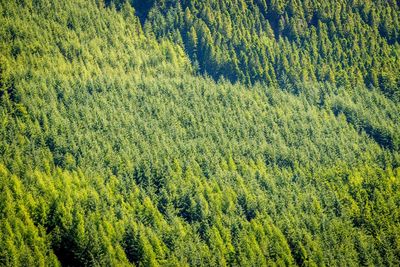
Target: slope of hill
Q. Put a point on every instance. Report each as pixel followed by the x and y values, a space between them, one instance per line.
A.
pixel 115 151
pixel 346 43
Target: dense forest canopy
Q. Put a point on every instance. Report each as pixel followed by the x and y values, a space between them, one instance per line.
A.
pixel 346 43
pixel 199 133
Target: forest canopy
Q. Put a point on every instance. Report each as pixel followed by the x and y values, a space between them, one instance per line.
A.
pixel 199 133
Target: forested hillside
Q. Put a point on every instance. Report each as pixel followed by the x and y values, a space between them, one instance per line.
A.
pixel 199 133
pixel 346 43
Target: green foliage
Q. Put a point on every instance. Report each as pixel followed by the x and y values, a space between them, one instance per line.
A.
pixel 288 41
pixel 112 153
